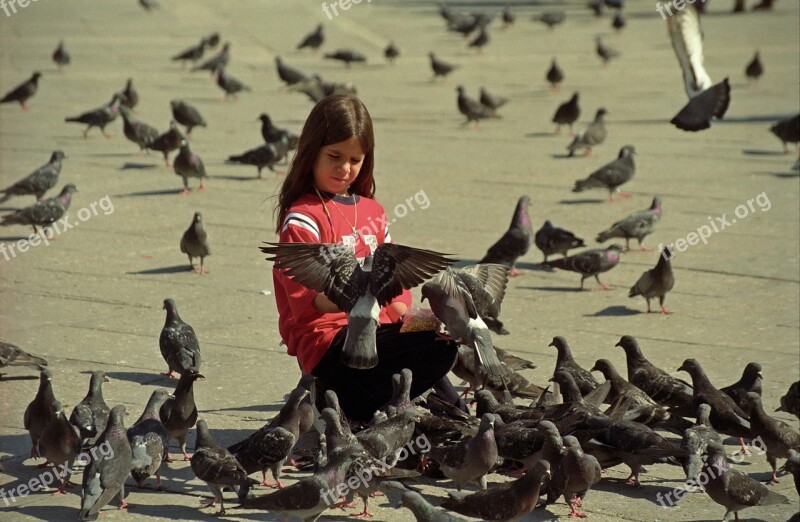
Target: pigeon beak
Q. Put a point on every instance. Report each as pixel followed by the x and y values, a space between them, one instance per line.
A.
pixel 171 396
pixel 619 344
pixel 551 344
pixel 759 374
pixel 201 376
pixel 105 378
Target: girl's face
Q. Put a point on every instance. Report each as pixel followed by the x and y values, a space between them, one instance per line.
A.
pixel 337 166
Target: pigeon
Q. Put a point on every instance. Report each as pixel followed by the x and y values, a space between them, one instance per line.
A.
pixel 194 243
pixel 187 115
pixel 391 52
pixel 605 52
pixel 42 213
pixel 423 511
pixel 271 133
pixel 23 92
pixel 217 62
pixel 441 68
pixel 519 441
pixel 553 240
pixel 581 471
pixel 647 410
pixel 99 117
pixel 466 24
pixel 61 56
pixel 167 142
pixel 136 131
pixel 229 84
pixel 481 40
pixel 597 7
pixel 215 466
pixel 655 382
pixel 754 68
pixel 776 435
pixel 594 134
pixel 471 459
pixel 790 403
pixel 178 343
pixel 348 56
pixel 515 242
pixel 39 413
pixel 191 54
pixel 60 443
pixel 492 102
pixel 212 40
pixel 129 97
pixel 508 17
pixel 149 441
pixel 551 18
pixel 453 303
pixel 512 361
pixel 90 415
pixel 359 290
pixel 695 440
pixel 506 501
pixel 289 75
pixel 637 225
pixel 706 99
pixel 733 489
pixel 104 477
pixel 508 381
pixel 554 77
pixel 588 263
pixel 567 113
pixel 11 355
pixel 584 379
pixel 656 282
pixel 749 382
pixel 472 109
pixel 618 22
pixel 266 155
pixel 313 40
pixel 37 182
pixel 612 175
pixel 788 131
pixel 316 88
pixel 148 5
pixel 179 412
pixel 487 285
pixel 793 466
pixel 187 165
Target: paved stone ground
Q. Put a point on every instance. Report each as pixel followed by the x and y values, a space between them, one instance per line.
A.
pixel 92 298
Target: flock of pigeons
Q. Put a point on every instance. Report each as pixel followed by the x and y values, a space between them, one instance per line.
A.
pixel 557 446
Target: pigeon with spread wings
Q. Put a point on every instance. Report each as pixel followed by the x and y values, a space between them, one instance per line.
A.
pixel 360 290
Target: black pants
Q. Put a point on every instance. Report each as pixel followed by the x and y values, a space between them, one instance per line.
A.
pixel 361 392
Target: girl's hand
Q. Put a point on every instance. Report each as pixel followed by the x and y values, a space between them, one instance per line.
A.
pixel 396 311
pixel 325 305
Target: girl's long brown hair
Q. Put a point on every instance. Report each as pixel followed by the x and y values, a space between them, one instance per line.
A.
pixel 333 119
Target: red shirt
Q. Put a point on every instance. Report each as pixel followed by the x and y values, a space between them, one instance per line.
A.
pixel 306 331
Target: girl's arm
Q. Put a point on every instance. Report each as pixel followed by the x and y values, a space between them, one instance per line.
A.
pixel 325 305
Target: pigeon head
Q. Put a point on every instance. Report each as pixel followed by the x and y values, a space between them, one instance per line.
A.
pixel 278 61
pixel 97 380
pixel 58 409
pixel 703 414
pixel 626 152
pixel 175 104
pixel 170 307
pixel 521 216
pixel 486 401
pixel 185 146
pixel 605 367
pixel 57 155
pixel 541 470
pixel 569 388
pixel 198 218
pixel 547 427
pixel 212 39
pixel 655 206
pixel 751 373
pixel 693 368
pixel 575 97
pixel 715 449
pixel 116 419
pixel 265 119
pixel 460 90
pixel 572 443
pixel 129 84
pixel 487 422
pixel 616 249
pixel 204 439
pixel 297 395
pixel 629 344
pixel 45 376
pixel 560 344
pixel 191 375
pixel 36 76
pixel 600 113
pixel 68 189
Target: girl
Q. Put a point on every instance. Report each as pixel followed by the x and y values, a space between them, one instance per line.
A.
pixel 327 197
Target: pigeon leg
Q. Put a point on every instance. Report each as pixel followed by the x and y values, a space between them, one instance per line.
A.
pixel 663 308
pixel 513 272
pixel 623 195
pixel 573 506
pixel 648 305
pixel 86 132
pixel 582 287
pixel 202 268
pixel 558 130
pixel 627 244
pixel 169 373
pixel 587 151
pixel 159 485
pixel 773 462
pixel 602 284
pixel 365 513
pixel 167 458
pixel 633 480
pixel 202 186
pixel 743 450
pixel 191 263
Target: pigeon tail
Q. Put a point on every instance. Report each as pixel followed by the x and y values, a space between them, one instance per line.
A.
pixel 697 113
pixel 359 350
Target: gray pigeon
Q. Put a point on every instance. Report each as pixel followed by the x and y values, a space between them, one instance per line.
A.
pixel 776 435
pixel 554 76
pixel 391 52
pixel 42 213
pixel 39 413
pixel 229 84
pixel 136 131
pixel 218 61
pixel 788 131
pixel 148 439
pixel 754 68
pixel 750 381
pixel 187 115
pixel 440 67
pixel 605 52
pixel 487 285
pixel 288 74
pixel 695 440
pixel 60 444
pixel 656 282
pixel 61 56
pixel 515 242
pixel 490 101
pixel 178 343
pixel 90 415
pixel 637 225
pixel 266 155
pixel 272 133
pixel 215 466
pixel 179 412
pixel 611 175
pixel 481 40
pixel 104 477
pixel 551 18
pixel 23 92
pixel 472 109
pixel 567 113
pixel 583 378
pixel 12 355
pixel 167 142
pixel 191 54
pixel 506 501
pixel 99 117
pixel 588 263
pixel 508 380
pixel 581 471
pixel 359 290
pixel 471 459
pixel 348 56
pixel 647 411
pixel 194 242
pixel 313 40
pixel 553 240
pixel 793 466
pixel 129 97
pixel 594 134
pixel 37 182
pixel 733 489
pixel 423 511
pixel 189 165
pixel 790 402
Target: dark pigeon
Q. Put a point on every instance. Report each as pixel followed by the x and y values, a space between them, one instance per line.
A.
pixel 508 17
pixel 230 85
pixel 313 40
pixel 99 117
pixel 271 133
pixel 43 213
pixel 37 182
pixel 348 56
pixel 605 52
pixel 423 511
pixel 149 441
pixel 39 413
pixel 317 88
pixel 754 68
pixel 490 101
pixel 194 242
pixel 129 97
pixel 618 22
pixel 23 92
pixel 179 412
pixel 611 175
pixel 776 435
pixel 167 142
pixel 487 285
pixel 266 155
pixel 466 24
pixel 440 67
pixel 61 56
pixel 178 343
pixel 471 459
pixel 213 39
pixel 583 378
pixel 481 40
pixel 554 77
pixel 515 242
pixel 637 225
pixel 191 54
pixel 656 282
pixel 217 62
pixel 788 131
pixel 790 403
pixel 472 109
pixel 567 113
pixel 793 466
pixel 136 131
pixel 581 471
pixel 215 466
pixel 710 103
pixel 695 440
pixel 749 382
pixel 508 381
pixel 60 444
pixel 391 52
pixel 104 478
pixel 289 75
pixel 551 18
pixel 90 415
pixel 187 165
pixel 12 355
pixel 590 263
pixel 512 361
pixel 187 115
pixel 553 240
pixel 554 453
pixel 594 134
pixel 148 5
pixel 519 441
pixel 359 290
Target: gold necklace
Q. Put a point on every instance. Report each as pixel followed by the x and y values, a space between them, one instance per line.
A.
pixel 325 208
